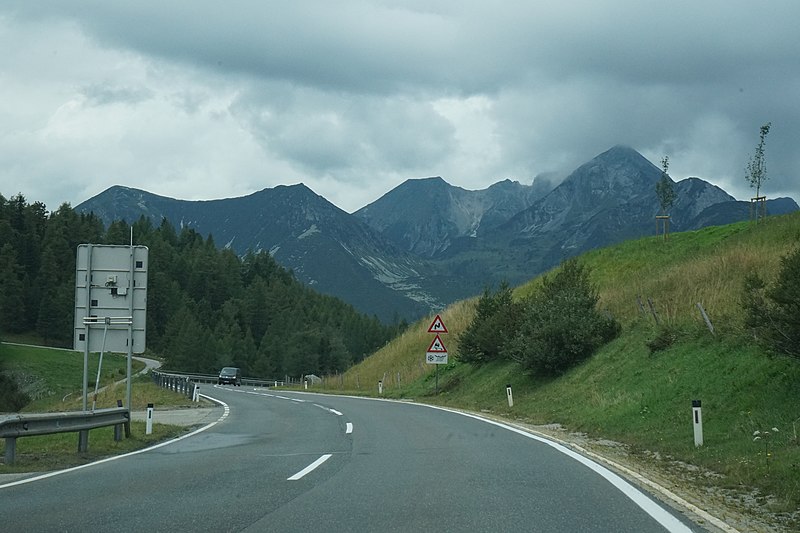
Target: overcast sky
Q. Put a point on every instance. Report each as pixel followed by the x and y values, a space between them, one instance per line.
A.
pixel 197 99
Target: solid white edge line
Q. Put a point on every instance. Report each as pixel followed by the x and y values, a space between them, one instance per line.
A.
pixel 658 513
pixel 46 475
pixel 646 503
pixel 349 428
pixel 310 468
pixel 334 411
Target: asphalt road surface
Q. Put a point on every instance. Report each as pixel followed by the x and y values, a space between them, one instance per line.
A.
pixel 281 461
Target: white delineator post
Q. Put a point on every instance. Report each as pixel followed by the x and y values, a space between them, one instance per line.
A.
pixel 697 420
pixel 149 422
pixel 510 396
pixel 380 387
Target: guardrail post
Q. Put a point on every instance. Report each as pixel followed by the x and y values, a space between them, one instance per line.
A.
pixel 119 427
pixel 83 441
pixel 11 450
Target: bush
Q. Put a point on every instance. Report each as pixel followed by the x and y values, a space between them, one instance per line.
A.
pixel 11 398
pixel 773 313
pixel 560 325
pixel 494 323
pixel 665 337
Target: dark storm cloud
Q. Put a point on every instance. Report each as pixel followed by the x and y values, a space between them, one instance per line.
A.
pixel 352 97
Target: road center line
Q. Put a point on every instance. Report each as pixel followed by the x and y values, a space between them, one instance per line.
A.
pixel 349 428
pixel 310 468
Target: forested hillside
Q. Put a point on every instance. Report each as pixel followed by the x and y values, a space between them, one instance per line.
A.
pixel 206 308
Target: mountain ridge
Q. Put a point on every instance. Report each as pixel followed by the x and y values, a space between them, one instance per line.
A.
pixel 427 243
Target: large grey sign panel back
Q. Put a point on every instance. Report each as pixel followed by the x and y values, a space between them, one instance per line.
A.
pixel 110 292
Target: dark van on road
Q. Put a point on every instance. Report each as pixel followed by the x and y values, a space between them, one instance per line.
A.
pixel 230 375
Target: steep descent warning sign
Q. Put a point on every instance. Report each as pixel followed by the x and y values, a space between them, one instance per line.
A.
pixel 437 326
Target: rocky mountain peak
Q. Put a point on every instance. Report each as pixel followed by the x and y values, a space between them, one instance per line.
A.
pixel 427 242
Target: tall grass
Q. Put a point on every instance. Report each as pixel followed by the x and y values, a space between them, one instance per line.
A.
pixel 706 266
pixel 402 361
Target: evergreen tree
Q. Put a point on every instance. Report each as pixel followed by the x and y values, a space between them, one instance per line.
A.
pixel 56 278
pixel 12 301
pixel 119 232
pixel 495 323
pixel 773 312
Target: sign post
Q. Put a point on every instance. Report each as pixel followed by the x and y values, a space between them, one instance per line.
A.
pixel 437 353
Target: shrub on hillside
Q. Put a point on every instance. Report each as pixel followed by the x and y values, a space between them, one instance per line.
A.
pixel 773 312
pixel 664 338
pixel 560 325
pixel 11 398
pixel 495 322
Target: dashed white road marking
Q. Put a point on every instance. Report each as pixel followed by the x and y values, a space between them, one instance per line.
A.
pixel 310 468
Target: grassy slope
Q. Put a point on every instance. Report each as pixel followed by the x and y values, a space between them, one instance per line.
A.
pixel 54 378
pixel 626 393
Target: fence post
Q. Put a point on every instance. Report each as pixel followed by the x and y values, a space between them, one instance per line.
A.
pixel 705 317
pixel 653 309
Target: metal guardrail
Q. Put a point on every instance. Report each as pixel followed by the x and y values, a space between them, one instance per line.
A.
pixel 28 425
pixel 182 384
pixel 172 380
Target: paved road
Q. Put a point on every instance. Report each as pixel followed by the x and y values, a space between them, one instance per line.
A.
pixel 301 462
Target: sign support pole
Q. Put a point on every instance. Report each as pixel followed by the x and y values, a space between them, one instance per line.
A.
pixel 128 394
pixel 86 326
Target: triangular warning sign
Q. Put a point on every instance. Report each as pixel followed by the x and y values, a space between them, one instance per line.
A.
pixel 437 326
pixel 437 346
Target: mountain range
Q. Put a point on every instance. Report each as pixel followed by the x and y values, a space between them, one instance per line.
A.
pixel 427 243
